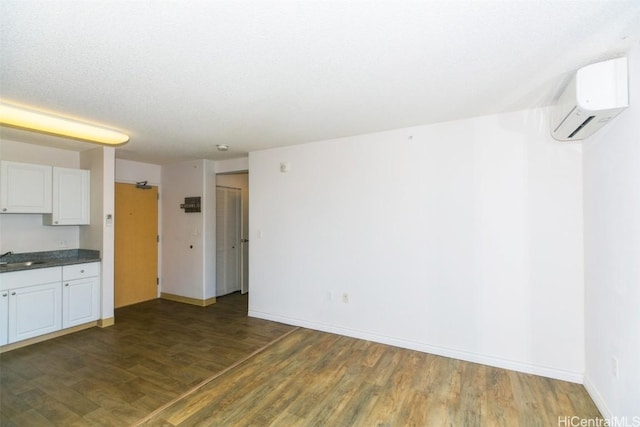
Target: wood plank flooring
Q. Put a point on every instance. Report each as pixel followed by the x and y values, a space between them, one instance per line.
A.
pixel 313 378
pixel 157 366
pixel 114 376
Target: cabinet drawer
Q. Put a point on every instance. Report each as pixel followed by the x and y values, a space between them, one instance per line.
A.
pixel 38 276
pixel 80 271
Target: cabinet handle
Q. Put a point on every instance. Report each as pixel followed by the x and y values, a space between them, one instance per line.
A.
pixel 81 271
pixel 66 284
pixel 55 222
pixel 13 293
pixel 4 209
pixel 5 294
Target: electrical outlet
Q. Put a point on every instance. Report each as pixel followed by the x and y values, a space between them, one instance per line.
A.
pixel 614 367
pixel 345 298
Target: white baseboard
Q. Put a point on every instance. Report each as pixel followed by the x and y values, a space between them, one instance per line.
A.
pixel 574 377
pixel 597 398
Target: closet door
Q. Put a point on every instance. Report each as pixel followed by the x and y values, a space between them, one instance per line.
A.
pixel 228 243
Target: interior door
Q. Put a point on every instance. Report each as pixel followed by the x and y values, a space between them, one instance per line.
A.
pixel 136 244
pixel 228 240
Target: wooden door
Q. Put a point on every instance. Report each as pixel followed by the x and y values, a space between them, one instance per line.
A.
pixel 136 244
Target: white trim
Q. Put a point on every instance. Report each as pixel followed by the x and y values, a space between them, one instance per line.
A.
pixel 559 374
pixel 597 398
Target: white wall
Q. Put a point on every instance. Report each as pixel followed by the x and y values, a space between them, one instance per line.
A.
pixel 185 237
pixel 25 232
pixel 132 172
pixel 462 238
pixel 612 258
pixel 31 153
pixel 232 165
pixel 99 235
pixel 191 271
pixel 209 227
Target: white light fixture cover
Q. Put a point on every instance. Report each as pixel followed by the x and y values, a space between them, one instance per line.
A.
pixel 23 118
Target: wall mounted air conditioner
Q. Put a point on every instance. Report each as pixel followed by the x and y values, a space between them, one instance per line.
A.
pixel 595 95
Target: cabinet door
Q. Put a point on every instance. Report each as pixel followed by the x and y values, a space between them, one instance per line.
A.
pixel 4 317
pixel 34 310
pixel 25 188
pixel 80 301
pixel 70 197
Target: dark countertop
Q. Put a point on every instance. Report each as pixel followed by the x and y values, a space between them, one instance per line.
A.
pixel 48 259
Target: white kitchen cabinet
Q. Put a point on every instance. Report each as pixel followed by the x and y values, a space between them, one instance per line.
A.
pixel 30 303
pixel 71 197
pixel 4 317
pixel 44 300
pixel 80 294
pixel 25 188
pixel 34 310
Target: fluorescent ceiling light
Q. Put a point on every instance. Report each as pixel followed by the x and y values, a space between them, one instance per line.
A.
pixel 22 118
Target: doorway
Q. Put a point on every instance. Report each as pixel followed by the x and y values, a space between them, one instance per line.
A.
pixel 239 181
pixel 228 240
pixel 136 244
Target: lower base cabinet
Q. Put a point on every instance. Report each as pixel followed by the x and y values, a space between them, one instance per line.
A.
pixel 80 301
pixel 41 301
pixel 34 310
pixel 4 317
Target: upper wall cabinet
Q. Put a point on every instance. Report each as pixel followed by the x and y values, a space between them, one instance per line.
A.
pixel 25 188
pixel 70 197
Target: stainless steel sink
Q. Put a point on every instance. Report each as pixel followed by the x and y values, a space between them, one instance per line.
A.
pixel 21 264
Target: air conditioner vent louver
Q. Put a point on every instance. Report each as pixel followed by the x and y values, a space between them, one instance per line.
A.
pixel 581 126
pixel 596 94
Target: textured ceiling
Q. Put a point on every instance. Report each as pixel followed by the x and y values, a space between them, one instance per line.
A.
pixel 182 76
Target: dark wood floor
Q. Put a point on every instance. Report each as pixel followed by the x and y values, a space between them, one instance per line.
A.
pixel 115 376
pixel 157 366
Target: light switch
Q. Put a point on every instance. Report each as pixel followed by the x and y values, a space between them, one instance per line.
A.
pixel 285 167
